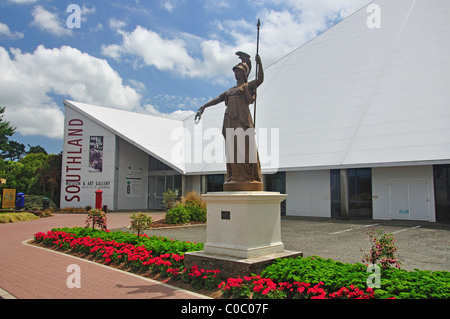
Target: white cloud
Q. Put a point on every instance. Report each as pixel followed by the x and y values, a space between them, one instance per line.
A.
pixel 288 25
pixel 28 78
pixel 5 31
pixel 49 22
pixel 154 50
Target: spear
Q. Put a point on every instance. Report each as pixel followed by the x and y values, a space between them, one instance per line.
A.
pixel 257 67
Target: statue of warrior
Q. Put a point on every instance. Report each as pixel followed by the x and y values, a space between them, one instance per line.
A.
pixel 243 166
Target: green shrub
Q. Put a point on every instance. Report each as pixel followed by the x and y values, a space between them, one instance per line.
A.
pixel 192 198
pixel 36 202
pixel 178 215
pixel 395 283
pixel 314 269
pixel 170 197
pixel 196 213
pixel 140 222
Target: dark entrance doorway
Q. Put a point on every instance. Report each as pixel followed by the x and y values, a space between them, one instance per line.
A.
pixel 277 183
pixel 355 200
pixel 442 192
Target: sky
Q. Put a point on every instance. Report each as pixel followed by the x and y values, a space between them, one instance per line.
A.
pixel 161 57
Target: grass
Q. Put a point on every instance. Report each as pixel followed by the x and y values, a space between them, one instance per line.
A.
pixel 16 217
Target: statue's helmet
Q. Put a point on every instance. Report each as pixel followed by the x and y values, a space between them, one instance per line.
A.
pixel 245 65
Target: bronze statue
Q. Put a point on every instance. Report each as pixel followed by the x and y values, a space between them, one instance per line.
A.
pixel 243 166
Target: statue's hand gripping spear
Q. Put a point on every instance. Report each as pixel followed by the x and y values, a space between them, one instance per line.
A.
pixel 245 58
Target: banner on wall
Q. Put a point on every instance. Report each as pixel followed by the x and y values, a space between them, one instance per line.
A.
pixel 96 154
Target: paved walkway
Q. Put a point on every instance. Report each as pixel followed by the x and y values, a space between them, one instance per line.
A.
pixel 30 272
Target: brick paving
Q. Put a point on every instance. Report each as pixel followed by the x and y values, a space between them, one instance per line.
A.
pixel 30 272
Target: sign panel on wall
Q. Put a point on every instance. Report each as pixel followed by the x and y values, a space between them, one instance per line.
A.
pixel 9 198
pixel 133 181
pixel 96 154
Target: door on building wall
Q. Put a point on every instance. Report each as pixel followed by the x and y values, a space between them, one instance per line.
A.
pixel 409 199
pixel 277 183
pixel 442 192
pixel 359 193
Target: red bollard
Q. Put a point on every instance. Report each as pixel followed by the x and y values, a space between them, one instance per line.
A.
pixel 98 199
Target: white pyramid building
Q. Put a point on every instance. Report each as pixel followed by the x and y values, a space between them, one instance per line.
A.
pixel 357 123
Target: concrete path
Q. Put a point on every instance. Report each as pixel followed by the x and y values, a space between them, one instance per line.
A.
pixel 30 272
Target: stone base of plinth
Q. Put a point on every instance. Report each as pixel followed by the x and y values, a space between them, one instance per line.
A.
pixel 231 267
pixel 243 233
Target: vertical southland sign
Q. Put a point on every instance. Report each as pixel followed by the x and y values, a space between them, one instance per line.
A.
pixel 72 165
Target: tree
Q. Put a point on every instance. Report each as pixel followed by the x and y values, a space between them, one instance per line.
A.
pixel 15 151
pixel 140 222
pixel 36 150
pixel 6 130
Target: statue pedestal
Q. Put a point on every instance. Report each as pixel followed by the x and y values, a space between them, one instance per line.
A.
pixel 243 230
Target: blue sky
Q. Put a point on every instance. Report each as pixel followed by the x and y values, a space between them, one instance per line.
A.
pixel 160 57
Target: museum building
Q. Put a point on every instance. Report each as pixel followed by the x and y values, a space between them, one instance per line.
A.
pixel 353 124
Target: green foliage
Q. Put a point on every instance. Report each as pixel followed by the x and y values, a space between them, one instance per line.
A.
pixel 383 250
pixel 35 174
pixel 96 217
pixel 36 202
pixel 191 208
pixel 193 198
pixel 196 213
pixel 140 222
pixel 314 269
pixel 170 197
pixel 158 245
pixel 178 215
pixel 395 283
pixel 6 130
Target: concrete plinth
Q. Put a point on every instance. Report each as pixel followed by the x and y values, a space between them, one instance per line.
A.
pixel 243 224
pixel 243 231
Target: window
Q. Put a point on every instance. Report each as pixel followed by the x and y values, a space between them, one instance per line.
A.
pixel 215 183
pixel 155 165
pixel 442 192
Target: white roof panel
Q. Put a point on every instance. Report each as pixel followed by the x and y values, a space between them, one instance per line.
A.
pixel 149 133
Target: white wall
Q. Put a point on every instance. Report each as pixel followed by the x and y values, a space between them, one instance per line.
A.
pixel 133 168
pixel 308 193
pixel 78 184
pixel 403 193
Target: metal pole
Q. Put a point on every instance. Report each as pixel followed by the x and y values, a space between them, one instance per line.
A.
pixel 257 67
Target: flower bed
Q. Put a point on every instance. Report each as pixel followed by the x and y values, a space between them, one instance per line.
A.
pixel 258 287
pixel 143 254
pixel 290 278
